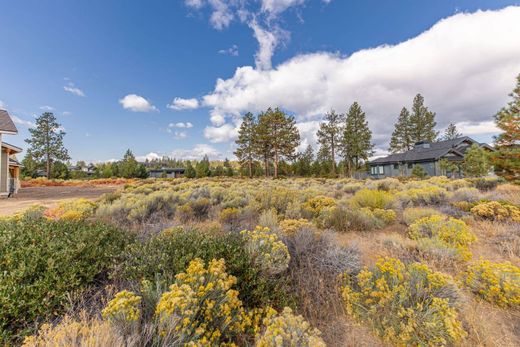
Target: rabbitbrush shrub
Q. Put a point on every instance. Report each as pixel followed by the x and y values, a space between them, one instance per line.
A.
pixel 406 305
pixel 373 199
pixel 42 261
pixel 497 283
pixel 450 232
pixel 495 210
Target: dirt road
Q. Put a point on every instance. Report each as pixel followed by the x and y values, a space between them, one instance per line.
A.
pixel 49 196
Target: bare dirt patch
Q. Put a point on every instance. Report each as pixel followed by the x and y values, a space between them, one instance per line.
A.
pixel 50 196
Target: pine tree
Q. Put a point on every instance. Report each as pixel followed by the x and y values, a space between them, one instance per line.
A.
pixel 330 133
pixel 190 170
pixel 451 132
pixel 422 122
pixel 476 161
pixel 280 131
pixel 506 159
pixel 202 168
pixel 245 143
pixel 128 167
pixel 401 140
pixel 229 169
pixel 356 144
pixel 46 142
pixel 262 141
pixel 303 165
pixel 322 166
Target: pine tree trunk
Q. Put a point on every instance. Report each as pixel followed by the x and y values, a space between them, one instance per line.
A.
pixel 333 158
pixel 275 164
pixel 48 167
pixel 266 166
pixel 250 169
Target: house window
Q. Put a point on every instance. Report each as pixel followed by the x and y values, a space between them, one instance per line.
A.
pixel 381 170
pixel 410 165
pixel 396 166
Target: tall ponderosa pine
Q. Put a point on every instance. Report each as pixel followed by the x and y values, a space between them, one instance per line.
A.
pixel 245 151
pixel 422 122
pixel 46 142
pixel 282 135
pixel 401 140
pixel 506 159
pixel 451 133
pixel 356 144
pixel 330 133
pixel 262 141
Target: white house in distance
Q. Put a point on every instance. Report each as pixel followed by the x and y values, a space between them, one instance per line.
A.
pixel 9 165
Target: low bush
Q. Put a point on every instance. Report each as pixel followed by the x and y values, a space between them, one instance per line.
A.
pixel 467 194
pixel 450 232
pixel 201 308
pixel 486 183
pixel 498 283
pixel 287 329
pixel 343 219
pixel 372 199
pixel 495 210
pixel 42 261
pixel 315 206
pixel 266 250
pixel 82 332
pixel 411 214
pixel 72 210
pixel 163 256
pixel 405 305
pixel 291 226
pixel 427 195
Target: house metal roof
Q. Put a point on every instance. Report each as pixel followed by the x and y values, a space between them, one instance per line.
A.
pixel 434 152
pixel 6 123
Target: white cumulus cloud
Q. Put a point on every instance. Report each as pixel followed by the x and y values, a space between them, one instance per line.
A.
pixel 225 133
pixel 18 120
pixel 181 125
pixel 183 104
pixel 71 88
pixel 197 152
pixel 465 67
pixel 136 103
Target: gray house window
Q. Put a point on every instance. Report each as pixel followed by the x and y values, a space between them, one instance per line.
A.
pixel 410 165
pixel 377 170
pixel 396 166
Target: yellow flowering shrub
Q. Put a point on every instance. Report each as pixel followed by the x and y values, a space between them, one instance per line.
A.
pixel 426 195
pixel 495 210
pixel 498 283
pixel 411 214
pixel 404 304
pixel 267 251
pixel 386 216
pixel 201 308
pixel 315 206
pixel 229 215
pixel 287 329
pixel 448 231
pixel 72 210
pixel 123 308
pixel 291 226
pixel 69 332
pixel 373 199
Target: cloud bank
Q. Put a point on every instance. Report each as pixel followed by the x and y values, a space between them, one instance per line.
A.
pixel 465 67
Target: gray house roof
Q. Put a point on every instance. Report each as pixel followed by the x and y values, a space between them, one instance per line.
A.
pixel 6 123
pixel 435 151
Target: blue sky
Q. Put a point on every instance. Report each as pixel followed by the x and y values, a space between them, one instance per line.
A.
pixel 109 69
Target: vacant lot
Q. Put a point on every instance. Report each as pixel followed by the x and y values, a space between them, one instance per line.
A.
pixel 49 196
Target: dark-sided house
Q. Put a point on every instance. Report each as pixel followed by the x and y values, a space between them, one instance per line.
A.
pixel 166 172
pixel 425 154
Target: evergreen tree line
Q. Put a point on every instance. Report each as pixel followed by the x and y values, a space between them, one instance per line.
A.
pixel 266 146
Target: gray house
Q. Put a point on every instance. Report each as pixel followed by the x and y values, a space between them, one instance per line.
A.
pixel 167 172
pixel 424 154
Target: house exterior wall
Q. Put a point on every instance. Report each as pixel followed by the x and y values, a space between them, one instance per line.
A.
pixel 432 168
pixel 4 170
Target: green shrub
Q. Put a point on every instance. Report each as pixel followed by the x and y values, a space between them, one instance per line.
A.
pixel 343 219
pixel 419 172
pixel 426 195
pixel 42 261
pixel 169 253
pixel 405 305
pixel 372 199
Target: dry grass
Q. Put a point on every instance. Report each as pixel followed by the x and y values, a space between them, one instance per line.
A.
pixel 497 241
